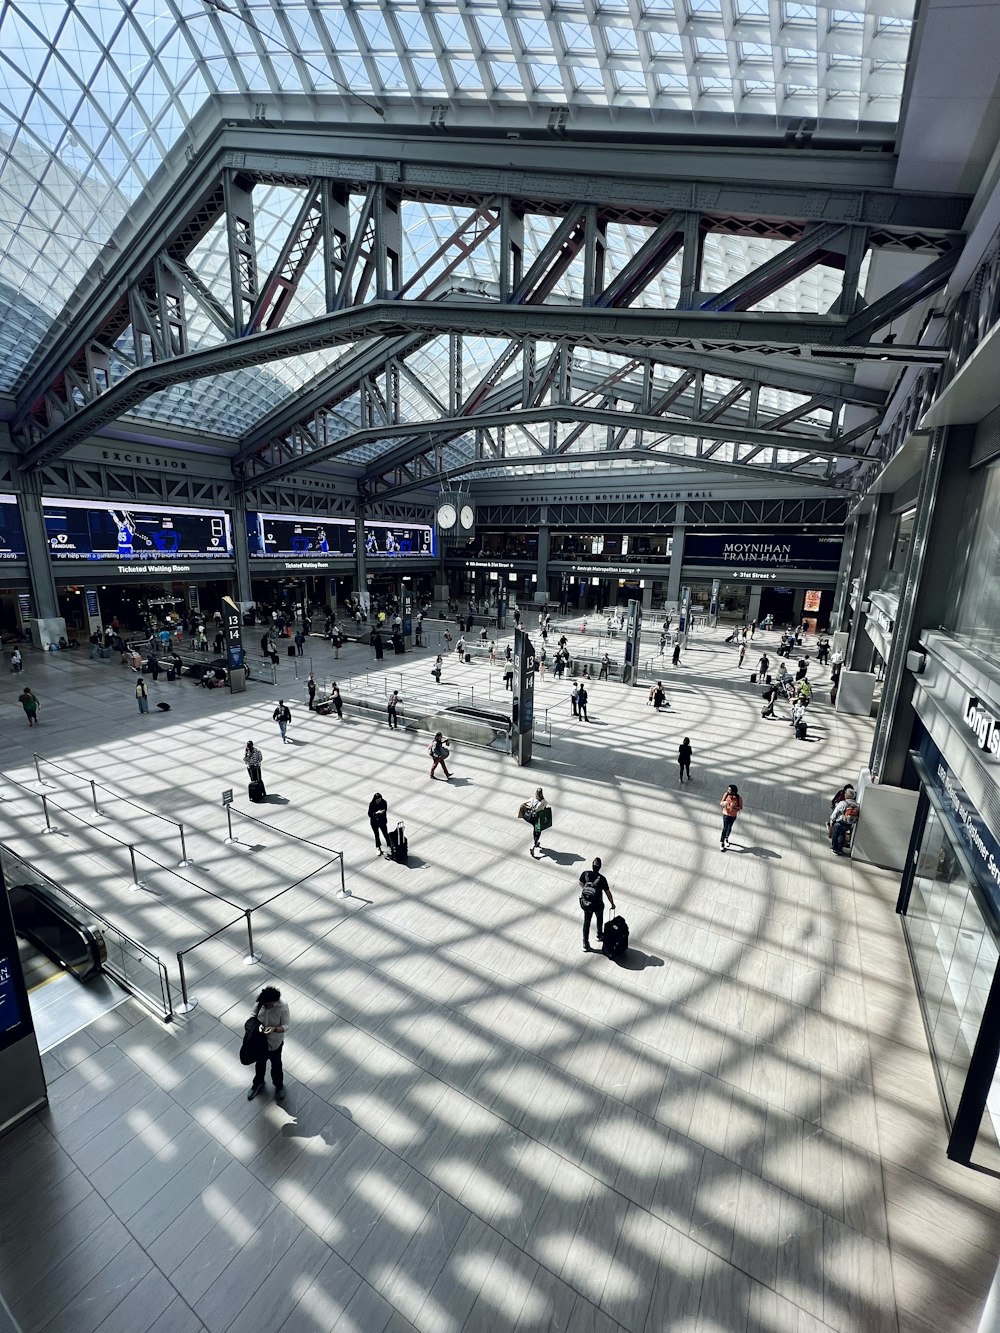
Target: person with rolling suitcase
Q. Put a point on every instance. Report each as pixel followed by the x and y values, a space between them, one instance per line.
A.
pixel 378 812
pixel 593 888
pixel 253 759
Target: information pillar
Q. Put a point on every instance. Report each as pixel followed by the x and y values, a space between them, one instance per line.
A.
pixel 523 703
pixel 633 636
pixel 232 629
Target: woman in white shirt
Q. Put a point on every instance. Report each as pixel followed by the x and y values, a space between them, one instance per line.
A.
pixel 530 812
pixel 274 1020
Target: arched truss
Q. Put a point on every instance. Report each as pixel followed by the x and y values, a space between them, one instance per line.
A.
pixel 413 318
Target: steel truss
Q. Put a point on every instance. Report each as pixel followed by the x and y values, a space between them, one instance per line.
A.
pixel 136 337
pixel 660 513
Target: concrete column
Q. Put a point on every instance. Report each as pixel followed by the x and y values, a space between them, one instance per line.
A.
pixel 798 602
pixel 753 604
pixel 36 543
pixel 647 596
pixel 942 502
pixel 676 559
pixel 239 508
pixel 542 584
pixel 360 558
pixel 875 561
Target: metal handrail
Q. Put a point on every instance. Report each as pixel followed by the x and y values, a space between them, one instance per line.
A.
pixel 165 1009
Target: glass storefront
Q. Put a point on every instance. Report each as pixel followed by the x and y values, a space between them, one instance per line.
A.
pixel 953 943
pixel 977 592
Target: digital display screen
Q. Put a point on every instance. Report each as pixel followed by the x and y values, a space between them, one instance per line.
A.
pixel 278 535
pixel 11 532
pixel 10 1010
pixel 78 530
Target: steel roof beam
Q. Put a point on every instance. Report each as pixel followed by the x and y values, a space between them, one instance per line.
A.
pixel 567 413
pixel 789 335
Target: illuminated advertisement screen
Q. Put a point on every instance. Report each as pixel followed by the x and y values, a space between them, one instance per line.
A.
pixel 11 533
pixel 78 530
pixel 282 535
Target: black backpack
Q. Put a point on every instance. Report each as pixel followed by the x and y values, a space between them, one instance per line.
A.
pixel 590 894
pixel 254 1043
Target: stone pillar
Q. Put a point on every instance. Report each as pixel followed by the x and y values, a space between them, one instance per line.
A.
pixel 36 544
pixel 676 559
pixel 244 592
pixel 360 559
pixel 753 602
pixel 542 579
pixel 838 615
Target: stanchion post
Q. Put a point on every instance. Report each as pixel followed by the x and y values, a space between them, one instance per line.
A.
pixel 343 881
pixel 38 772
pixel 93 796
pixel 229 824
pixel 184 856
pixel 45 809
pixel 187 1003
pixel 251 957
pixel 136 881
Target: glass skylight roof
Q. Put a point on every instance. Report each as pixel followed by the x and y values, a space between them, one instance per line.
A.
pixel 94 94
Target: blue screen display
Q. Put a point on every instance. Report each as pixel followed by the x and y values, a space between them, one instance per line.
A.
pixel 135 533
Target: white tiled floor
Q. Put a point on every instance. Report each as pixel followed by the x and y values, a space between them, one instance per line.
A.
pixel 486 1129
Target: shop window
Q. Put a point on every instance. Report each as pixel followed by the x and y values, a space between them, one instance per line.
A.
pixel 901 541
pixel 977 612
pixel 955 961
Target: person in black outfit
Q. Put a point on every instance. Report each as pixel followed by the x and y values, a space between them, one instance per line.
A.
pixel 684 757
pixel 770 696
pixel 593 887
pixel 311 690
pixel 581 703
pixel 391 707
pixel 154 667
pixel 676 656
pixel 378 811
pixel 378 645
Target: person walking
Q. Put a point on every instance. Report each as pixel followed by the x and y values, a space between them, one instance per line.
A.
pixel 15 662
pixel 378 645
pixel 732 804
pixel 275 1020
pixel 593 890
pixel 743 652
pixel 663 644
pixel 142 695
pixel 437 668
pixel 282 715
pixel 253 759
pixel 378 813
pixel 762 666
pixel 684 758
pixel 300 643
pixel 392 705
pixel 439 752
pixel 154 666
pixel 676 656
pixel 29 702
pixel 336 700
pixel 581 703
pixel 770 695
pixel 530 811
pixel 508 676
pixel 311 691
pixel 605 667
pixel 574 699
pixel 659 696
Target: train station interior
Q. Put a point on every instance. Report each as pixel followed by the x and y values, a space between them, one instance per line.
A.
pixel 500 715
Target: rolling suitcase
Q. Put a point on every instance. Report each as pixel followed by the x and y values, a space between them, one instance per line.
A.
pixel 291 650
pixel 171 673
pixel 801 731
pixel 255 791
pixel 399 849
pixel 753 677
pixel 615 937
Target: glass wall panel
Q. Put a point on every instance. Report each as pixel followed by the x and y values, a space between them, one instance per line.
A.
pixel 977 614
pixel 955 958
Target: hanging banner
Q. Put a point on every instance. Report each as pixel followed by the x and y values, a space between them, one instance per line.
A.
pixel 633 635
